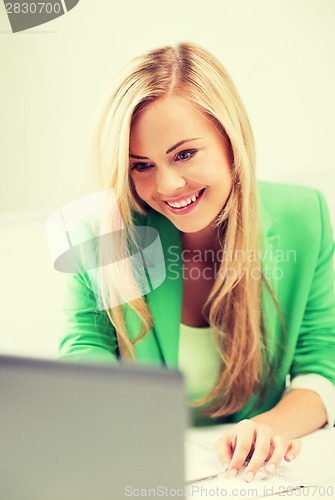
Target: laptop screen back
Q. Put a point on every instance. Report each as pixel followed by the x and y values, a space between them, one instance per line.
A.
pixel 80 431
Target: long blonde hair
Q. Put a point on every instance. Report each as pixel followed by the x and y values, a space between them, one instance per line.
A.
pixel 233 307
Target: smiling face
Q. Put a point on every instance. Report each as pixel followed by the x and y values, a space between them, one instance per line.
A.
pixel 180 163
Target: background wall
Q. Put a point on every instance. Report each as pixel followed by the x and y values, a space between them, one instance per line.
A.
pixel 55 77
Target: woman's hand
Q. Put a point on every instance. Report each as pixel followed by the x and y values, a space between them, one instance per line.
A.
pixel 257 443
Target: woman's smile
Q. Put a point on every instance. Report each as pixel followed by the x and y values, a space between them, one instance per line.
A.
pixel 185 205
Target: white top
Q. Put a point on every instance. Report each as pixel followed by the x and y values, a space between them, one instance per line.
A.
pixel 199 362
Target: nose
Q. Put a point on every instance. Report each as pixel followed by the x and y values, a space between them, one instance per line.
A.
pixel 169 181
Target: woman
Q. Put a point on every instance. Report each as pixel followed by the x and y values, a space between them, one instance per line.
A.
pixel 248 296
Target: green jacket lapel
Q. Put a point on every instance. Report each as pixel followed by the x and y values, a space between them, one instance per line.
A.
pixel 270 244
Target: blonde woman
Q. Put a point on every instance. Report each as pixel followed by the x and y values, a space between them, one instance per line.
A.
pixel 248 296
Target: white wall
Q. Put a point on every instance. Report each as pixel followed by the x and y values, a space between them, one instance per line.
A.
pixel 54 78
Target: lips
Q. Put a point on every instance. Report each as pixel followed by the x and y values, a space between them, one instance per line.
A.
pixel 189 203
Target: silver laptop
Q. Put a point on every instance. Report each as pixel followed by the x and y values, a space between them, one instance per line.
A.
pixel 75 431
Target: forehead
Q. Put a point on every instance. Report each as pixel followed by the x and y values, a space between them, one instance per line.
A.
pixel 165 122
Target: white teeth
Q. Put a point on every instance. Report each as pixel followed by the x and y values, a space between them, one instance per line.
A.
pixel 183 203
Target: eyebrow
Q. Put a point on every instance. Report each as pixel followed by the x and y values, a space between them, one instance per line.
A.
pixel 172 148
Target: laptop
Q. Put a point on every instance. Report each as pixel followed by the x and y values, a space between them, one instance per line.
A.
pixel 78 431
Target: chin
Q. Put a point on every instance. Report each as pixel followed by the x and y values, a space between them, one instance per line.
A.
pixel 190 228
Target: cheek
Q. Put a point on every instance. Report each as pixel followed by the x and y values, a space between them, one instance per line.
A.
pixel 223 172
pixel 142 188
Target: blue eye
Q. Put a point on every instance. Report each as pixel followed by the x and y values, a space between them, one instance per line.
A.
pixel 189 152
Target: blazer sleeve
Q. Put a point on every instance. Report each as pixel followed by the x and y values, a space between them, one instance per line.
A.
pixel 315 349
pixel 87 333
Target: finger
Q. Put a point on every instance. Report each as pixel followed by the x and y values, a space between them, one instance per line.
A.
pixel 224 448
pixel 279 448
pixel 262 449
pixel 293 450
pixel 270 452
pixel 244 443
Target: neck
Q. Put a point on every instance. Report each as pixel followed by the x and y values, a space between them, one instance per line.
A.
pixel 206 239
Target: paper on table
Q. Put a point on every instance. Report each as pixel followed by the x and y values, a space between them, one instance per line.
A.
pixel 314 466
pixel 202 462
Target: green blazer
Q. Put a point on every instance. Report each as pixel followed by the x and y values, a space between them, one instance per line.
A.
pixel 297 258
